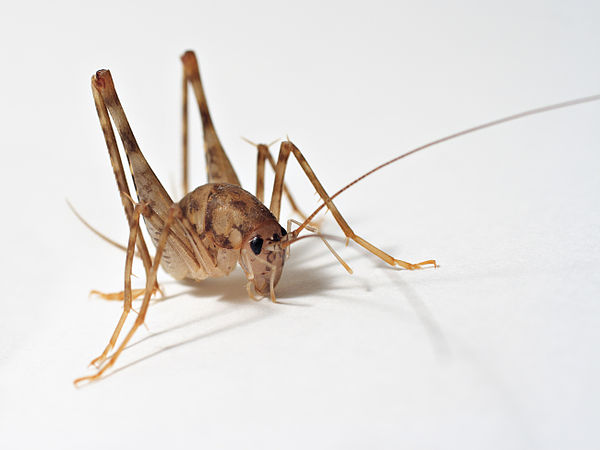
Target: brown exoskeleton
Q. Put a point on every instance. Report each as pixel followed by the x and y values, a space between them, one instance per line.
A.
pixel 219 224
pixel 212 228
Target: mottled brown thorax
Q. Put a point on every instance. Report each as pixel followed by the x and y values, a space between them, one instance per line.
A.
pixel 223 216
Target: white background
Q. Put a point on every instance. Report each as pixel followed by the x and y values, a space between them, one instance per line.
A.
pixel 498 348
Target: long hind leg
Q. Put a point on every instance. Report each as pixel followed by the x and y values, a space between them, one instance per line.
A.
pixel 117 165
pixel 127 291
pixel 284 152
pixel 218 166
pixel 184 135
pixel 130 213
pixel 174 213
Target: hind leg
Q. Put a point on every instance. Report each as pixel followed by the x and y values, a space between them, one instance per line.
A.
pixel 107 362
pixel 218 166
pixel 133 232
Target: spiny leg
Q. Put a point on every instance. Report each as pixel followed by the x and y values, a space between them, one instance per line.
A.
pixel 149 189
pixel 174 213
pixel 117 165
pixel 184 134
pixel 99 85
pixel 133 232
pixel 118 296
pixel 218 166
pixel 288 147
pixel 159 217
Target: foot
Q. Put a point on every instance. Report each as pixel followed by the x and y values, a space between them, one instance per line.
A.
pixel 120 296
pixel 410 266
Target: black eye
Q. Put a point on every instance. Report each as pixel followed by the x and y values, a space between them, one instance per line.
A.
pixel 256 244
pixel 275 237
pixel 283 232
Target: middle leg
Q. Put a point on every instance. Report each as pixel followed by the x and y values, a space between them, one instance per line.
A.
pixel 264 154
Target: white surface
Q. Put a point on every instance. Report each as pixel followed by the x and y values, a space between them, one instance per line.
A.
pixel 498 348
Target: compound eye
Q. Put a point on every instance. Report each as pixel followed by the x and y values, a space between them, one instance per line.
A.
pixel 283 232
pixel 256 244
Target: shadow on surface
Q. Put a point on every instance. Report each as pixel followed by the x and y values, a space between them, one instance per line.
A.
pixel 424 314
pixel 301 278
pixel 307 281
pixel 187 341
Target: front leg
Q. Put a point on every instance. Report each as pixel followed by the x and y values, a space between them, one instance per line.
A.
pixel 284 152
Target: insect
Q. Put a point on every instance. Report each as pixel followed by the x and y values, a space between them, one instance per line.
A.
pixel 218 225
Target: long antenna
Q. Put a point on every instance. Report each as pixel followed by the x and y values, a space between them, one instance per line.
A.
pixel 493 123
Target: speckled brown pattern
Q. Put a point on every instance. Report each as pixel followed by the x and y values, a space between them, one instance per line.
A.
pixel 204 235
pixel 218 166
pixel 212 228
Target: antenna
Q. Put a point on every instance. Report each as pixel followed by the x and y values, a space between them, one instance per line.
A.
pixel 493 123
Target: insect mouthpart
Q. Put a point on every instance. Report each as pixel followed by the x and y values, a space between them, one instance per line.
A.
pixel 262 258
pixel 273 247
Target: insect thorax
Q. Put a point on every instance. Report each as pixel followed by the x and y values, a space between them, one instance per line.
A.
pixel 222 216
